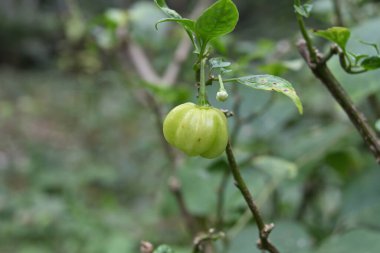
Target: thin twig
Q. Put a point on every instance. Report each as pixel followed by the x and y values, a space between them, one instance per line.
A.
pixel 320 70
pixel 333 51
pixel 146 247
pixel 323 73
pixel 142 64
pixel 201 239
pixel 264 229
pixel 145 68
pixel 312 54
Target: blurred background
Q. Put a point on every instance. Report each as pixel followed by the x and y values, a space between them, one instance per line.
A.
pixel 82 164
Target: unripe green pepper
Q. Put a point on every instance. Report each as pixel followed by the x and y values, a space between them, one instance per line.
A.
pixel 197 130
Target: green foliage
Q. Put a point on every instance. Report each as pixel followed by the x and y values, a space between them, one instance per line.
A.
pixel 163 249
pixel 290 236
pixel 365 241
pixel 169 12
pixel 338 35
pixel 371 63
pixel 81 164
pixel 303 9
pixel 272 83
pixel 219 19
pixel 360 86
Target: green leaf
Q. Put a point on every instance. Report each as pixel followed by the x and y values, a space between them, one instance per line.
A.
pixel 279 169
pixel 363 241
pixel 169 12
pixel 199 186
pixel 163 249
pixel 338 35
pixel 371 63
pixel 188 24
pixel 217 20
pixel 273 83
pixel 218 63
pixel 289 236
pixel 304 10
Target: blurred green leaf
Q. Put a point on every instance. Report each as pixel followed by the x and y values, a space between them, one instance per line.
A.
pixel 310 144
pixel 361 201
pixel 360 86
pixel 218 63
pixel 371 63
pixel 278 68
pixel 278 168
pixel 377 125
pixel 288 236
pixel 118 243
pixel 163 249
pixel 176 94
pixel 363 241
pixel 116 17
pixel 304 9
pixel 199 186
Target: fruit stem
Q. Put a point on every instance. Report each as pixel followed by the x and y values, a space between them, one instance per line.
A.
pixel 221 83
pixel 202 87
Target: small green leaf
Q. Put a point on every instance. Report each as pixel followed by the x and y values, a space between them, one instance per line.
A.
pixel 163 249
pixel 338 35
pixel 304 10
pixel 217 20
pixel 164 7
pixel 188 24
pixel 218 63
pixel 371 63
pixel 274 83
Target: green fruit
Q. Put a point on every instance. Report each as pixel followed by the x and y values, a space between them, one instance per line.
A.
pixel 197 130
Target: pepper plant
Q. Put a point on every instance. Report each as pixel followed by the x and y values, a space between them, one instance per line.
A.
pixel 201 129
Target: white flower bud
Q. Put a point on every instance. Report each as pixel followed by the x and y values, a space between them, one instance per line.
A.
pixel 221 95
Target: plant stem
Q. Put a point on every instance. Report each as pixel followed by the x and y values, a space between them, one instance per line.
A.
pixel 202 87
pixel 305 34
pixel 221 82
pixel 320 70
pixel 264 229
pixel 323 73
